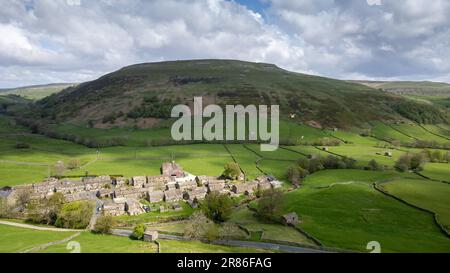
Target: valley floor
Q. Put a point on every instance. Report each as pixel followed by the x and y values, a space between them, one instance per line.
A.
pixel 341 209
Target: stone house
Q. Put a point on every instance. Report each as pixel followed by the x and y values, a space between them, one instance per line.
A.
pixel 82 195
pixel 139 181
pixel 120 182
pixel 133 207
pixel 155 196
pixel 245 188
pixel 158 182
pixel 105 193
pixel 198 193
pixel 276 184
pixel 114 209
pixel 172 169
pixel 173 195
pixel 290 219
pixel 96 183
pixel 202 180
pixel 265 185
pixel 187 185
pixel 171 186
pixel 215 187
pixel 130 192
pixel 150 235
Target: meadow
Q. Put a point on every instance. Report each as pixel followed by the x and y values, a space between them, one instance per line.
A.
pixel 433 196
pixel 268 231
pixel 98 243
pixel 15 239
pixel 348 214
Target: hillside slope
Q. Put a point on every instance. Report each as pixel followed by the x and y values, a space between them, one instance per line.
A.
pixel 36 92
pixel 140 95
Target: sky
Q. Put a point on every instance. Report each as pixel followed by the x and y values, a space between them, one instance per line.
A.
pixel 48 41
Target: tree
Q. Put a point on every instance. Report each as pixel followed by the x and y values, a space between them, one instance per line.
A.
pixel 374 166
pixel 232 171
pixel 270 205
pixel 103 225
pixel 73 164
pixel 229 230
pixel 403 163
pixel 45 211
pixel 138 232
pixel 410 161
pixel 22 145
pixel 22 199
pixel 436 156
pixel 416 162
pixel 75 215
pixel 197 226
pixel 6 211
pixel 315 164
pixel 59 169
pixel 293 175
pixel 217 207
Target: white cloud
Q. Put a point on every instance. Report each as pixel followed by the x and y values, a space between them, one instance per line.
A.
pixel 50 40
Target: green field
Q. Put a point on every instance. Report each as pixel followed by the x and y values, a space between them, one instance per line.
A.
pixel 14 239
pixel 95 243
pixel 433 196
pixel 386 132
pixel 364 154
pixel 439 171
pixel 351 215
pixel 419 133
pixel 270 231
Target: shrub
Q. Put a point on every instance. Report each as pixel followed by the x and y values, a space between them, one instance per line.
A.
pixel 374 166
pixel 270 205
pixel 73 164
pixel 6 211
pixel 410 161
pixel 212 233
pixel 295 173
pixel 138 232
pixel 22 145
pixel 103 225
pixel 232 171
pixel 217 207
pixel 75 215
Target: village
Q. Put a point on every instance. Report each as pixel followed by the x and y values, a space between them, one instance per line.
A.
pixel 122 196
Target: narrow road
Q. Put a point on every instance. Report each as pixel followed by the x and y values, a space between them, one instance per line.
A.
pixel 237 243
pixel 270 246
pixel 36 227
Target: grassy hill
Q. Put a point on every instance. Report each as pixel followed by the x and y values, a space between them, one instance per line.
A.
pixel 142 95
pixel 435 93
pixel 36 92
